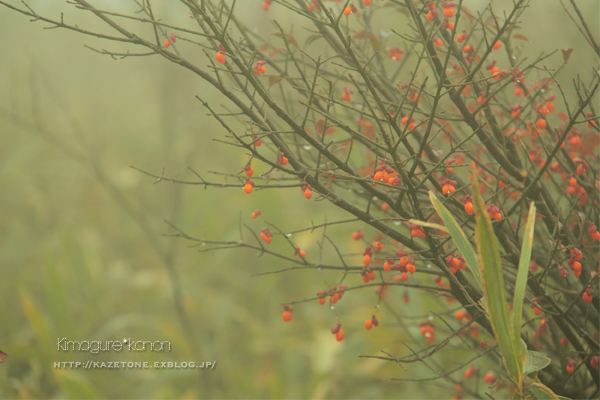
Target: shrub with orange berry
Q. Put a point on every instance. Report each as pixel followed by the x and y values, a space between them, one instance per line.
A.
pixel 460 86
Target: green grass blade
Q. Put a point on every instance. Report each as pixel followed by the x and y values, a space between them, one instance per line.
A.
pixel 458 235
pixel 521 284
pixel 493 289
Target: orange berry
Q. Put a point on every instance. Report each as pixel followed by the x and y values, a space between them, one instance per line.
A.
pixel 322 300
pixel 448 12
pixel 573 182
pixel 469 208
pixel 460 314
pixel 404 276
pixel 347 12
pixel 167 43
pixel 564 341
pixel 308 194
pixel 387 266
pixel 429 16
pixel 378 175
pixel 220 57
pixel 459 38
pixel 411 268
pixel 450 25
pixel 536 311
pixel 367 260
pixel 570 368
pixel 586 297
pixel 519 92
pixel 497 45
pixel 266 6
pixel 543 111
pixel 495 70
pixel 469 373
pixel 489 377
pixel 248 188
pixel 540 123
pixel 334 298
pixel 339 336
pixel 367 2
pixel 368 324
pixel 596 236
pixel 287 316
pixel 455 263
pixel 249 172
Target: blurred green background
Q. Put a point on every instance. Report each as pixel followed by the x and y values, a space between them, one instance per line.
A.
pixel 83 251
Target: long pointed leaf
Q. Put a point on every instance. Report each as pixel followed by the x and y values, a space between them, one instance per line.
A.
pixel 493 289
pixel 458 235
pixel 521 284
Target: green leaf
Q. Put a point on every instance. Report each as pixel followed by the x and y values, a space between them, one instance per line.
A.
pixel 311 39
pixel 493 288
pixel 428 225
pixel 458 235
pixel 542 392
pixel 521 284
pixel 287 37
pixel 273 79
pixel 535 361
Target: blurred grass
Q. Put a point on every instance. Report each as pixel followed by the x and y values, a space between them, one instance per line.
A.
pixel 81 232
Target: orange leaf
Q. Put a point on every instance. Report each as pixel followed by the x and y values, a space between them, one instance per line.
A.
pixel 328 130
pixel 566 54
pixel 563 116
pixel 264 47
pixel 369 129
pixel 589 143
pixel 275 52
pixel 360 35
pixel 3 356
pixel 468 13
pixel 519 36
